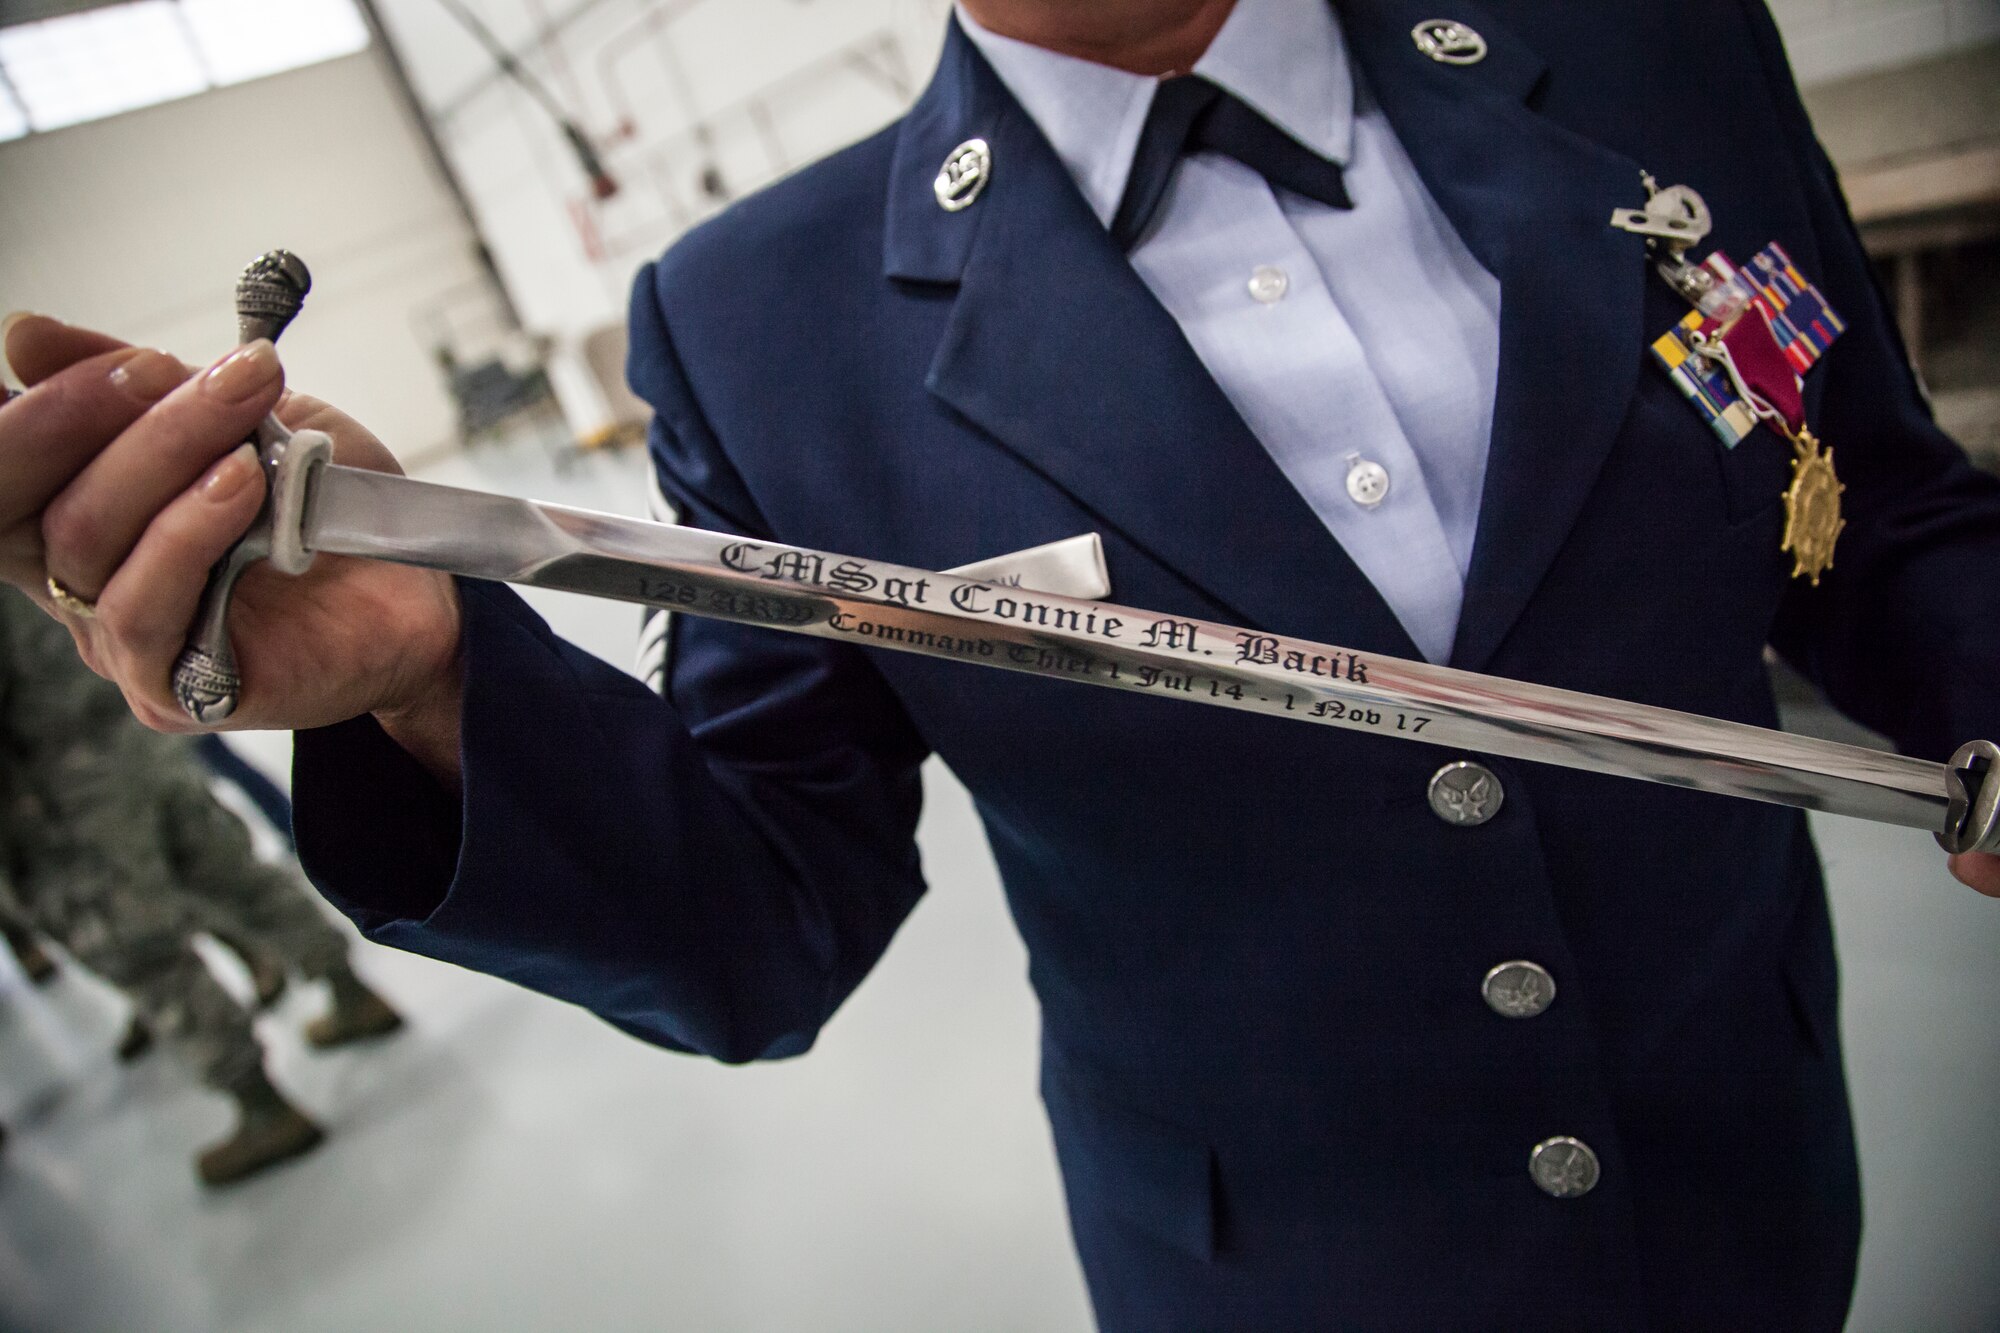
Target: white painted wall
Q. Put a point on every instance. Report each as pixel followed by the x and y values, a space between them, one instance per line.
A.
pixel 139 225
pixel 770 85
pixel 1830 39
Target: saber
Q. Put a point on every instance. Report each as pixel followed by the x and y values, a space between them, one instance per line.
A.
pixel 318 507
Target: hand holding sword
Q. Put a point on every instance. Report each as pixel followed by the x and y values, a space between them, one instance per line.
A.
pixel 98 526
pixel 124 477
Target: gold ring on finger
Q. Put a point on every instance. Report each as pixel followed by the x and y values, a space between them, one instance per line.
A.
pixel 80 607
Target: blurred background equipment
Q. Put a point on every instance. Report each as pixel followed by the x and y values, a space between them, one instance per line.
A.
pixel 603 185
pixel 688 104
pixel 496 374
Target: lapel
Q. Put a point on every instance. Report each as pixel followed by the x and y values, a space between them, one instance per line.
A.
pixel 1532 201
pixel 1058 351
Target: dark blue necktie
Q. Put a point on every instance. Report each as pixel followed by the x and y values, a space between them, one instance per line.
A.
pixel 1192 115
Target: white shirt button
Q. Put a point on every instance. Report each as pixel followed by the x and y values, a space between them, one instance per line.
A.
pixel 1268 284
pixel 1367 481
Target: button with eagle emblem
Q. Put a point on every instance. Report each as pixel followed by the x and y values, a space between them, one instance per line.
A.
pixel 1518 989
pixel 1466 794
pixel 1563 1167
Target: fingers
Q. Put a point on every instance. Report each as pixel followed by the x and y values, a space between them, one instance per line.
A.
pixel 36 346
pixel 144 613
pixel 52 433
pixel 94 523
pixel 1978 871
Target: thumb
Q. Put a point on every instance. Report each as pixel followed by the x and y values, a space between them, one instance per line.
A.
pixel 1978 871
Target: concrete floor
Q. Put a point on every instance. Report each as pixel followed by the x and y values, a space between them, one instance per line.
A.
pixel 511 1163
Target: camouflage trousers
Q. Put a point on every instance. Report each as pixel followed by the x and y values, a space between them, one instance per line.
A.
pixel 124 884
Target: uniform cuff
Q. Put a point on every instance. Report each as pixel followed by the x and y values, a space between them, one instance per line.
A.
pixel 378 836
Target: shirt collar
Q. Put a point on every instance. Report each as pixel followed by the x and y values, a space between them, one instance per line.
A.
pixel 1285 58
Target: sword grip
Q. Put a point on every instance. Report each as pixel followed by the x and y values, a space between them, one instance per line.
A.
pixel 206 681
pixel 269 294
pixel 1972 786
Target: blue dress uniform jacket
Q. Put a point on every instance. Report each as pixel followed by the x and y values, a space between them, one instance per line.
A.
pixel 1278 1098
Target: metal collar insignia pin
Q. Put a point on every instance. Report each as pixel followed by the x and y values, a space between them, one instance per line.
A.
pixel 1449 42
pixel 963 176
pixel 1673 221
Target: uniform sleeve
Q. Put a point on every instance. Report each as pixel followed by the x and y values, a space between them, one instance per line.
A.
pixel 714 871
pixel 1904 633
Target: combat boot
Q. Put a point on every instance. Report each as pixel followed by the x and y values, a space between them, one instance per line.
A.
pixel 357 1012
pixel 138 1039
pixel 269 1130
pixel 36 965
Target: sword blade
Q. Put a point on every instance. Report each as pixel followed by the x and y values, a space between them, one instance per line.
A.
pixel 874 604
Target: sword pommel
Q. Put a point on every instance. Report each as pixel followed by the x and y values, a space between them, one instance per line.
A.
pixel 270 294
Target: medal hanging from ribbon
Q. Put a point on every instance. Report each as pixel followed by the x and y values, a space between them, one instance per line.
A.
pixel 1739 356
pixel 1749 353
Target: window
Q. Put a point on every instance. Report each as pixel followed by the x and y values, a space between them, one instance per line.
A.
pixel 64 71
pixel 247 39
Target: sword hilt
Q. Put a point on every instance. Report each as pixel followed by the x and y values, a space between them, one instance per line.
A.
pixel 206 681
pixel 1972 786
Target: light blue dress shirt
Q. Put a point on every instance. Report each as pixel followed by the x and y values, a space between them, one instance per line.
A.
pixel 1343 337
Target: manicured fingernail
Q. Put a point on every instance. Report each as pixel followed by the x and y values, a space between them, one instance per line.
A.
pixel 148 376
pixel 244 373
pixel 7 329
pixel 15 317
pixel 227 479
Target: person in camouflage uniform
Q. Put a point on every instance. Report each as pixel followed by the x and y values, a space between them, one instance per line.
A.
pixel 115 848
pixel 36 965
pixel 267 974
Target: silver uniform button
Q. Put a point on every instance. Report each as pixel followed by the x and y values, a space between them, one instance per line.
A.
pixel 1367 481
pixel 1518 989
pixel 1564 1167
pixel 1267 284
pixel 1466 794
pixel 963 175
pixel 1449 42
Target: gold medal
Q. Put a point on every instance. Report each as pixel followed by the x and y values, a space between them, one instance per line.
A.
pixel 1812 508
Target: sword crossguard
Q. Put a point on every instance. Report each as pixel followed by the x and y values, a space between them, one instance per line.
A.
pixel 206 681
pixel 1972 786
